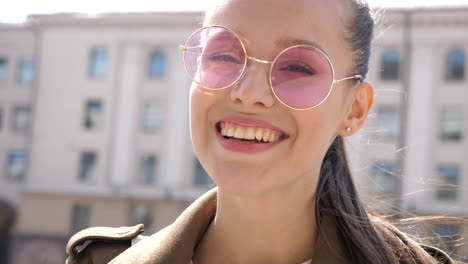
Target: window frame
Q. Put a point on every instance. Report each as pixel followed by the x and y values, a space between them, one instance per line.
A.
pixel 144 116
pixel 157 74
pixel 387 73
pixel 149 222
pixel 7 66
pixel 2 117
pixel 81 169
pixel 86 113
pixel 446 138
pixel 75 226
pixel 21 70
pixel 449 68
pixel 13 121
pixel 141 179
pixel 448 188
pixel 390 175
pixel 9 164
pixel 93 63
pixel 387 136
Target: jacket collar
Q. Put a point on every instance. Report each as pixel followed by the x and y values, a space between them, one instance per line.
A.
pixel 176 243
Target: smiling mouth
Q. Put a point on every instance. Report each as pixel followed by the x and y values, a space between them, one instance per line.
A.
pixel 249 135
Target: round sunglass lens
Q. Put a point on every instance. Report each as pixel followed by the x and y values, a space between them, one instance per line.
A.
pixel 301 77
pixel 214 57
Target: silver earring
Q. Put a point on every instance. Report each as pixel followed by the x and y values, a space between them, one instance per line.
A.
pixel 348 129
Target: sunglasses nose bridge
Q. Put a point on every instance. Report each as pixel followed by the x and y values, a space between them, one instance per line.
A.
pixel 249 58
pixel 259 60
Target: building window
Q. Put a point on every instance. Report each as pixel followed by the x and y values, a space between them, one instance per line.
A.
pixel 157 65
pixel 455 65
pixel 201 177
pixel 3 70
pixel 148 167
pixel 88 162
pixel 388 122
pixel 152 116
pixel 1 117
pixel 451 123
pixel 21 121
pixel 93 114
pixel 449 175
pixel 80 217
pixel 390 65
pixel 27 71
pixel 99 63
pixel 17 163
pixel 383 174
pixel 448 236
pixel 142 215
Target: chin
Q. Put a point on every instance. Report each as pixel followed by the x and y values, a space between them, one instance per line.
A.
pixel 243 184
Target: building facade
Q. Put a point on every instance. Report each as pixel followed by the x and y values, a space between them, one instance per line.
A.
pixel 411 155
pixel 94 123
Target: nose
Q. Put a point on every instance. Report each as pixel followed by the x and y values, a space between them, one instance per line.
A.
pixel 253 88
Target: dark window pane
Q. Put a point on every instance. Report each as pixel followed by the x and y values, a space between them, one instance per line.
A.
pixel 93 114
pixel 157 65
pixel 99 63
pixel 27 71
pixel 455 65
pixel 201 177
pixel 448 237
pixel 1 117
pixel 87 166
pixel 80 217
pixel 449 175
pixel 21 121
pixel 451 123
pixel 388 122
pixel 142 215
pixel 383 174
pixel 152 116
pixel 17 162
pixel 391 65
pixel 148 165
pixel 3 70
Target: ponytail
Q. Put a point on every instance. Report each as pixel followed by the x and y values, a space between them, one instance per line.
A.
pixel 367 239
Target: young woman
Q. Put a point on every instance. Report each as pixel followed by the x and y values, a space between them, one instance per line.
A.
pixel 277 85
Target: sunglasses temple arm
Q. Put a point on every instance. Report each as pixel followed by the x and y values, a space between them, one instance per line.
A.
pixel 354 77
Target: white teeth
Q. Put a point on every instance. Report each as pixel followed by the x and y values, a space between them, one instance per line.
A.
pixel 230 131
pixel 224 129
pixel 266 136
pixel 239 133
pixel 271 138
pixel 249 133
pixel 259 134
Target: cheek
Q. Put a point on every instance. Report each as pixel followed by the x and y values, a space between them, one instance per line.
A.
pixel 316 131
pixel 197 117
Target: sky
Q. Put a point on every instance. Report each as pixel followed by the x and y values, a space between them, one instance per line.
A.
pixel 16 11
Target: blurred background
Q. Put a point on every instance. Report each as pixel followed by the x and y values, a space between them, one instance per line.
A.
pixel 94 121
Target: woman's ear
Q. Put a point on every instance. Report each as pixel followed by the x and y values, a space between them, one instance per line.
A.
pixel 358 110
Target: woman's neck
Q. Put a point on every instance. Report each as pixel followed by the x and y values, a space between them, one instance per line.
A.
pixel 278 227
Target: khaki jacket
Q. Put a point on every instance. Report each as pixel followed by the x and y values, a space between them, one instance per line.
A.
pixel 175 244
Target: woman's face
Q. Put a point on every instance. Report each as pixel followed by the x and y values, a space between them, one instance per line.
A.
pixel 266 27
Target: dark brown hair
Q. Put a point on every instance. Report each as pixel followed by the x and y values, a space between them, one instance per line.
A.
pixel 366 237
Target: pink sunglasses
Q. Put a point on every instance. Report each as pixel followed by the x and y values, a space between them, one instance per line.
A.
pixel 301 76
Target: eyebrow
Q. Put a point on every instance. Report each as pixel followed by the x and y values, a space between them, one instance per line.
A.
pixel 285 42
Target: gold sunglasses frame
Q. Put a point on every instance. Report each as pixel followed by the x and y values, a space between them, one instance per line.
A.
pixel 183 48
